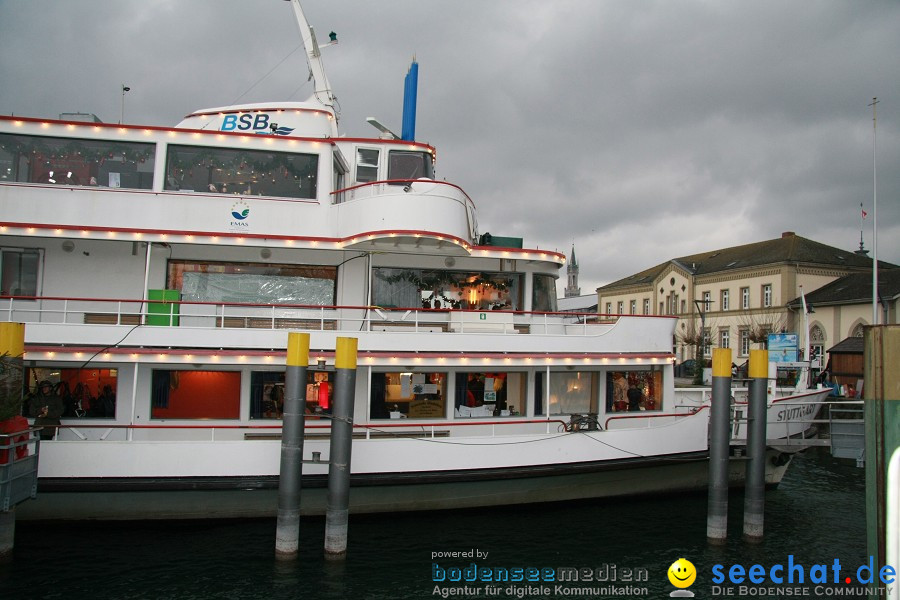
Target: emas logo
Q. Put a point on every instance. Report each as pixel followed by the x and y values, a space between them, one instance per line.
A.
pixel 682 574
pixel 239 213
pixel 240 210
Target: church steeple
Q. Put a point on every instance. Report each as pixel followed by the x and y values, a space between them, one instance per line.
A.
pixel 572 289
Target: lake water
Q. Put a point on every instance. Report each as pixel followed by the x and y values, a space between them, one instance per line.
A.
pixel 817 515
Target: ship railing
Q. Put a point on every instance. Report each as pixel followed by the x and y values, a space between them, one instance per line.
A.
pixel 421 187
pixel 800 425
pixel 648 419
pixel 19 452
pixel 58 310
pixel 373 189
pixel 317 429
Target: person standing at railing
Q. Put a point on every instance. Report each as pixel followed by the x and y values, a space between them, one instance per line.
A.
pixel 49 408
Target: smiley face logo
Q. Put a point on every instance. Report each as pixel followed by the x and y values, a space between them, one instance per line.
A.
pixel 682 573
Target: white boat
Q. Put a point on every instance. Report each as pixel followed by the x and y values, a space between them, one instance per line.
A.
pixel 159 270
pixel 791 414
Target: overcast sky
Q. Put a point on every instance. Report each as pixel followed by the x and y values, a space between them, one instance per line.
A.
pixel 639 130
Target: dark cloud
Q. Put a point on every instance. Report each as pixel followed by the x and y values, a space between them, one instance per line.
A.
pixel 638 130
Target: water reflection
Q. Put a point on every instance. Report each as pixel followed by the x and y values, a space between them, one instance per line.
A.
pixel 390 556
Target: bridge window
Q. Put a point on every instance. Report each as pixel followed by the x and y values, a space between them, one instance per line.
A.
pixel 366 164
pixel 76 162
pixel 243 172
pixel 543 295
pixel 408 164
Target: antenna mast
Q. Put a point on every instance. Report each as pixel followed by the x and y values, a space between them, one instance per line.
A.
pixel 322 91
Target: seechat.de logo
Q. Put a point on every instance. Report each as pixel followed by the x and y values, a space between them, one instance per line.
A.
pixel 682 574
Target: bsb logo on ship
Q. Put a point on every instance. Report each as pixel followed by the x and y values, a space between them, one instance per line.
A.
pixel 258 123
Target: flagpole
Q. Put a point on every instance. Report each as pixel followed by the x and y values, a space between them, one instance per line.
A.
pixel 874 218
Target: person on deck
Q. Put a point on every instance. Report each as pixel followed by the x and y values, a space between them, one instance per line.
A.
pixel 634 398
pixel 49 407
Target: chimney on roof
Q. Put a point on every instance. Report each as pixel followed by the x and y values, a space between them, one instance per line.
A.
pixel 788 234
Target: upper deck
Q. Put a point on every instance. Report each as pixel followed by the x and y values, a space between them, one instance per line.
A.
pixel 103 180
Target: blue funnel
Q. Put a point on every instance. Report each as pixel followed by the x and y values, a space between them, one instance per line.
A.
pixel 410 89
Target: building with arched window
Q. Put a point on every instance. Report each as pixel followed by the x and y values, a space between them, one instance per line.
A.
pixel 734 297
pixel 840 312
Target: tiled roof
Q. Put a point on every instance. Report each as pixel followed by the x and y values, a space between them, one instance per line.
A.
pixel 851 345
pixel 789 248
pixel 854 289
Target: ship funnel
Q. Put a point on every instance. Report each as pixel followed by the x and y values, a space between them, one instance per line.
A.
pixel 410 89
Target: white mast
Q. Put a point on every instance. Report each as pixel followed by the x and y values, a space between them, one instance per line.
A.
pixel 874 219
pixel 322 91
pixel 806 370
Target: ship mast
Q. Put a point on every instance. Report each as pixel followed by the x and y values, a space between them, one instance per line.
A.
pixel 322 91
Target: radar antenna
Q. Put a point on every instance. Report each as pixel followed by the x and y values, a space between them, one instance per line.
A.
pixel 322 91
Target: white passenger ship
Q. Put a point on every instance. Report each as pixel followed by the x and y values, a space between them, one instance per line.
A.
pixel 159 270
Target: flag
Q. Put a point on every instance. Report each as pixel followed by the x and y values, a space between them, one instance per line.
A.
pixel 864 214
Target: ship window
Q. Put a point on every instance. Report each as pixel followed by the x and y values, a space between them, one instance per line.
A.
pixel 267 393
pixel 339 173
pixel 243 172
pixel 543 295
pixel 414 395
pixel 255 283
pixel 647 394
pixel 420 288
pixel 366 164
pixel 573 392
pixel 195 394
pixel 73 393
pixel 404 165
pixel 19 271
pixel 76 162
pixel 489 394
